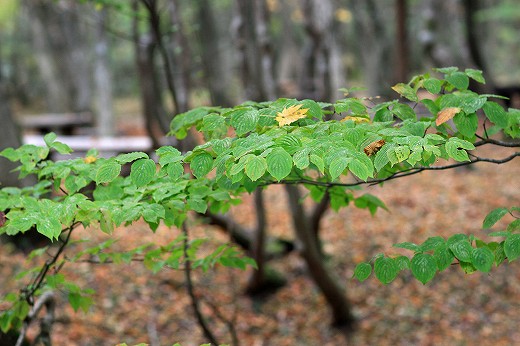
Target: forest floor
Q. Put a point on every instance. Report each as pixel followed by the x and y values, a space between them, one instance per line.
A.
pixel 133 305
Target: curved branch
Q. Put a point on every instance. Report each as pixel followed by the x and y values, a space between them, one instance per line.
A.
pixel 400 174
pixel 495 142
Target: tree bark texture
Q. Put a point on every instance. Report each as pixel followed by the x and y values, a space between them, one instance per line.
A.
pixel 103 80
pixel 333 293
pixel 60 46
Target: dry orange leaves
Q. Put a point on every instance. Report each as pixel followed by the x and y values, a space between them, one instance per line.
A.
pixel 446 114
pixel 291 114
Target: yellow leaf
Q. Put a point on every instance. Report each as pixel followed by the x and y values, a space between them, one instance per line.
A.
pixel 290 115
pixel 446 114
pixel 357 120
pixel 89 159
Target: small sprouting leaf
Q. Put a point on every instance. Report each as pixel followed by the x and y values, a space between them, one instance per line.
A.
pixel 423 267
pixel 279 163
pixel 255 167
pixel 446 114
pixel 201 164
pixel 385 269
pixel 483 259
pixel 512 247
pixel 462 250
pixel 493 217
pixel 142 172
pixel 362 271
pixel 107 172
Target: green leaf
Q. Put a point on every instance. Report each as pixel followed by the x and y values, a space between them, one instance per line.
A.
pixel 125 158
pixel 512 247
pixel 459 80
pixel 433 85
pixel 423 267
pixel 49 226
pixel 455 149
pixel 385 269
pixel 61 148
pixel 493 217
pixel 403 112
pixel 142 172
pixel 475 75
pixel 482 259
pixel 244 120
pixel 279 163
pixel 362 271
pixel 466 124
pixel 462 250
pixel 406 91
pixel 255 167
pixel 201 164
pixel 402 262
pixel 49 138
pixel 495 113
pixel 107 172
pixel 432 243
pixel 408 246
pixel 318 162
pixel 338 166
pixel 443 257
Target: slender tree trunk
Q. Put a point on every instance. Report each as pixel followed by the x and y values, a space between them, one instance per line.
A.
pixel 333 293
pixel 217 77
pixel 258 277
pixel 9 135
pixel 150 90
pixel 402 49
pixel 103 80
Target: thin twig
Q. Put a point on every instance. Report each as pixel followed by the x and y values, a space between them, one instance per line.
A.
pixel 189 286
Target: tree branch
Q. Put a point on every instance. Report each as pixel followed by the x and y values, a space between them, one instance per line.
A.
pixel 189 286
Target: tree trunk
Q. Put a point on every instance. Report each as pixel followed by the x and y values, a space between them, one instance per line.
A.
pixel 103 81
pixel 334 295
pixel 402 49
pixel 216 74
pixel 151 101
pixel 9 135
pixel 61 53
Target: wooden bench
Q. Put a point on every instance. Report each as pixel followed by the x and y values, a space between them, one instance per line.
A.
pixel 105 145
pixel 59 123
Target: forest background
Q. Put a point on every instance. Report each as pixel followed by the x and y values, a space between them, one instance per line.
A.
pixel 134 64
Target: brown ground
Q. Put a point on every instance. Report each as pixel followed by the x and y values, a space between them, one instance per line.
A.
pixel 133 305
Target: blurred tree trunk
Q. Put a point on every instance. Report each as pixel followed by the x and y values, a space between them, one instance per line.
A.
pixel 9 135
pixel 402 49
pixel 323 72
pixel 153 108
pixel 60 47
pixel 375 44
pixel 217 75
pixel 103 80
pixel 320 273
pixel 250 23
